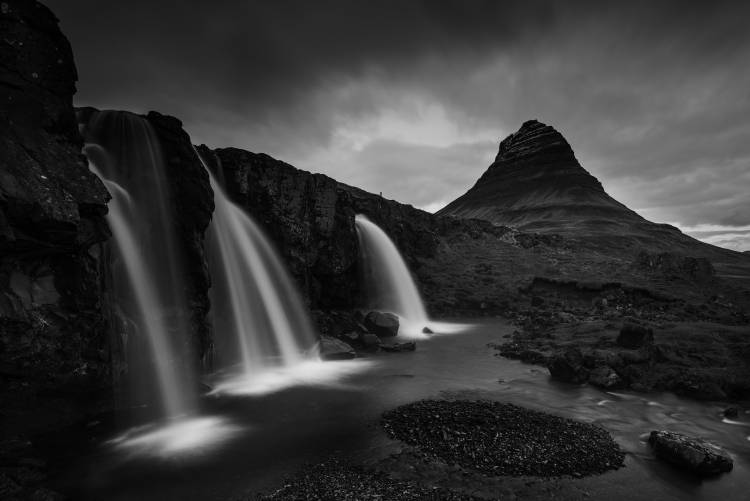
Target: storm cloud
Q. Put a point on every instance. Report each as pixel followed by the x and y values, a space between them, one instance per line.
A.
pixel 411 98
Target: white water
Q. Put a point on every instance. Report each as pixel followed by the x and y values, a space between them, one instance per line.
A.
pixel 124 152
pixel 257 312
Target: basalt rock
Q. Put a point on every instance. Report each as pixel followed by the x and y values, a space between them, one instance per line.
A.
pixel 568 366
pixel 334 349
pixel 193 202
pixel 692 454
pixel 52 331
pixel 382 324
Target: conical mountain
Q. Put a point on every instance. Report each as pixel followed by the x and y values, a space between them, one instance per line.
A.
pixel 536 184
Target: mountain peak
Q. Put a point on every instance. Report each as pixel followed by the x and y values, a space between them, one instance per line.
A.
pixel 537 184
pixel 533 138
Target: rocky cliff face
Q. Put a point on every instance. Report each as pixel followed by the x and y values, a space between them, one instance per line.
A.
pixel 193 201
pixel 52 331
pixel 310 218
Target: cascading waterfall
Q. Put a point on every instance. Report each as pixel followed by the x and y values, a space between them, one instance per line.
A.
pixel 124 152
pixel 256 309
pixel 392 286
pixel 146 270
pixel 255 299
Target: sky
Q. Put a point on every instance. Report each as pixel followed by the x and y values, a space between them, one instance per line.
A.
pixel 411 98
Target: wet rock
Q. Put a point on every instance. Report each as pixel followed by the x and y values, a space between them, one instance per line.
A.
pixel 635 336
pixel 334 349
pixel 605 377
pixel 537 301
pixel 52 208
pixel 427 330
pixel 382 324
pixel 731 412
pixel 370 341
pixel 700 390
pixel 692 454
pixel 568 366
pixel 399 347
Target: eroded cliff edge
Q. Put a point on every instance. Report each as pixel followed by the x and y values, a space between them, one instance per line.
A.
pixel 53 333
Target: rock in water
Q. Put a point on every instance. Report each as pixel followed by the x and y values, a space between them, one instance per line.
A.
pixel 605 377
pixel 382 324
pixel 567 366
pixel 693 454
pixel 334 349
pixel 399 347
pixel 635 336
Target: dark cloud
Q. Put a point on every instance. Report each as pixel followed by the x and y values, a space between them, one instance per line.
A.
pixel 653 96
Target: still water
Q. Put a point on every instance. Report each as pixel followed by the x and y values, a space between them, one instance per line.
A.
pixel 268 436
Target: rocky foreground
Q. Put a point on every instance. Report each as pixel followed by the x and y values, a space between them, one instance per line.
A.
pixel 504 439
pixel 335 480
pixel 476 441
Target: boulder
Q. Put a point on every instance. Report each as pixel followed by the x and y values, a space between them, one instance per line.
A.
pixel 399 347
pixel 427 330
pixel 370 341
pixel 635 336
pixel 692 454
pixel 731 412
pixel 567 366
pixel 605 377
pixel 334 349
pixel 382 324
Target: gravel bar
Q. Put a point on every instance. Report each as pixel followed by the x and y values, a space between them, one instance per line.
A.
pixel 502 439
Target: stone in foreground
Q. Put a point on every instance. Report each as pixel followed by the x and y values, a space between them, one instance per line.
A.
pixel 334 349
pixel 399 347
pixel 382 324
pixel 693 454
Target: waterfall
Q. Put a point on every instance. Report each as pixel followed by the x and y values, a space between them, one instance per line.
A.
pixel 146 267
pixel 390 283
pixel 257 312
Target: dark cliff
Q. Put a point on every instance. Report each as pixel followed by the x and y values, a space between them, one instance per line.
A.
pixel 53 336
pixel 310 218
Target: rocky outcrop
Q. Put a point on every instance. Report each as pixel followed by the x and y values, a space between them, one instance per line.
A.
pixel 568 366
pixel 331 348
pixel 692 454
pixel 193 202
pixel 672 266
pixel 382 324
pixel 52 331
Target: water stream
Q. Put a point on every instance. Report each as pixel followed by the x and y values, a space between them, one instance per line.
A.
pixel 284 431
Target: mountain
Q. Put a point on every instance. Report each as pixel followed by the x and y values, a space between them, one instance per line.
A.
pixel 536 184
